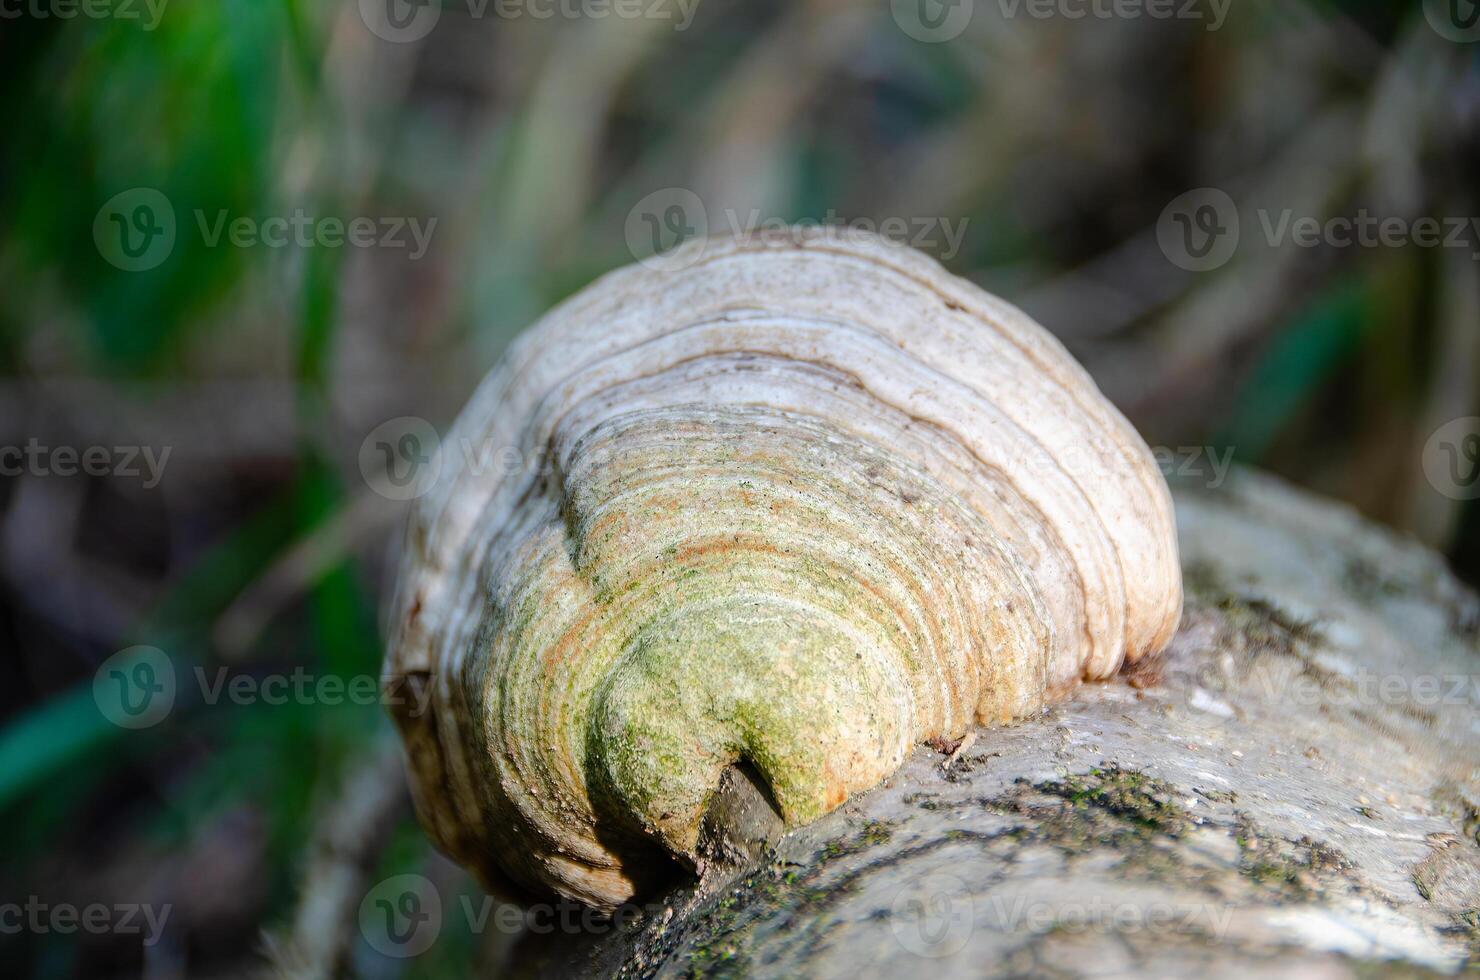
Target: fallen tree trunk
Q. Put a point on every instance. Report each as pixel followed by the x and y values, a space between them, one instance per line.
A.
pixel 1292 788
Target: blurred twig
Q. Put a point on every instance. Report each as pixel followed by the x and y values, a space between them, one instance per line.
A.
pixel 346 842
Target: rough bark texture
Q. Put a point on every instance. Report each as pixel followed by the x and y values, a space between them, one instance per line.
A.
pixel 1291 790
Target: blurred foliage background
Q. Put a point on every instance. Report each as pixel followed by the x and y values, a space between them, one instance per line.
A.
pixel 1054 144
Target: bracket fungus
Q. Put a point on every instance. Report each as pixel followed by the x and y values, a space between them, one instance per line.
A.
pixel 798 502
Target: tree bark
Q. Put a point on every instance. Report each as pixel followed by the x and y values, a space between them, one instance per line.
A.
pixel 1291 789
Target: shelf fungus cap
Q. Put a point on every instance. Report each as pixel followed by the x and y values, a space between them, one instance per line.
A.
pixel 797 502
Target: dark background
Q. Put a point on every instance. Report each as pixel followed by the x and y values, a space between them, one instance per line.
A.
pixel 1058 146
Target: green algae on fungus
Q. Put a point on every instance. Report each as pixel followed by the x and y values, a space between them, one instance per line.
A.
pixel 804 508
